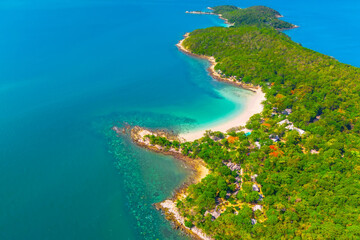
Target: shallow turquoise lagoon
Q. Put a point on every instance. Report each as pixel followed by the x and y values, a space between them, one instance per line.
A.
pixel 70 70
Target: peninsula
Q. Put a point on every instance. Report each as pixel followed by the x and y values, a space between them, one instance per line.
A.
pixel 293 170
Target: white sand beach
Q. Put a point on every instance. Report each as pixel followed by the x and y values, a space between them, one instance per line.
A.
pixel 253 106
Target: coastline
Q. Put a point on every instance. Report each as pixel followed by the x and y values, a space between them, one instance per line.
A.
pixel 253 105
pixel 197 167
pixel 211 13
pixel 213 73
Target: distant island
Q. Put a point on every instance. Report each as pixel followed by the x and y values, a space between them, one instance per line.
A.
pixel 259 16
pixel 293 170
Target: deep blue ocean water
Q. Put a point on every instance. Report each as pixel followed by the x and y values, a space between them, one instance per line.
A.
pixel 70 70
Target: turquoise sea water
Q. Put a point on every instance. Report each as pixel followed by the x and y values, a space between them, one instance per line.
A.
pixel 70 70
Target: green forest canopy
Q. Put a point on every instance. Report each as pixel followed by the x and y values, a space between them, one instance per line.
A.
pixel 306 195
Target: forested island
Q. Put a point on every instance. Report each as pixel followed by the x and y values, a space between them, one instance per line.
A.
pixel 259 16
pixel 293 171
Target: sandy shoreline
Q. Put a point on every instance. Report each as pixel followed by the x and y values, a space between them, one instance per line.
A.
pixel 253 104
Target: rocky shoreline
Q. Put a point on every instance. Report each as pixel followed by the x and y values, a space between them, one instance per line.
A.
pixel 211 13
pixel 197 166
pixel 213 73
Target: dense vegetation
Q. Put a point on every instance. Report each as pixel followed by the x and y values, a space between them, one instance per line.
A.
pixel 278 182
pixel 258 15
pixel 306 195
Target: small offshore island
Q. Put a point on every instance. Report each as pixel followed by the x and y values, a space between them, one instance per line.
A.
pixel 293 170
